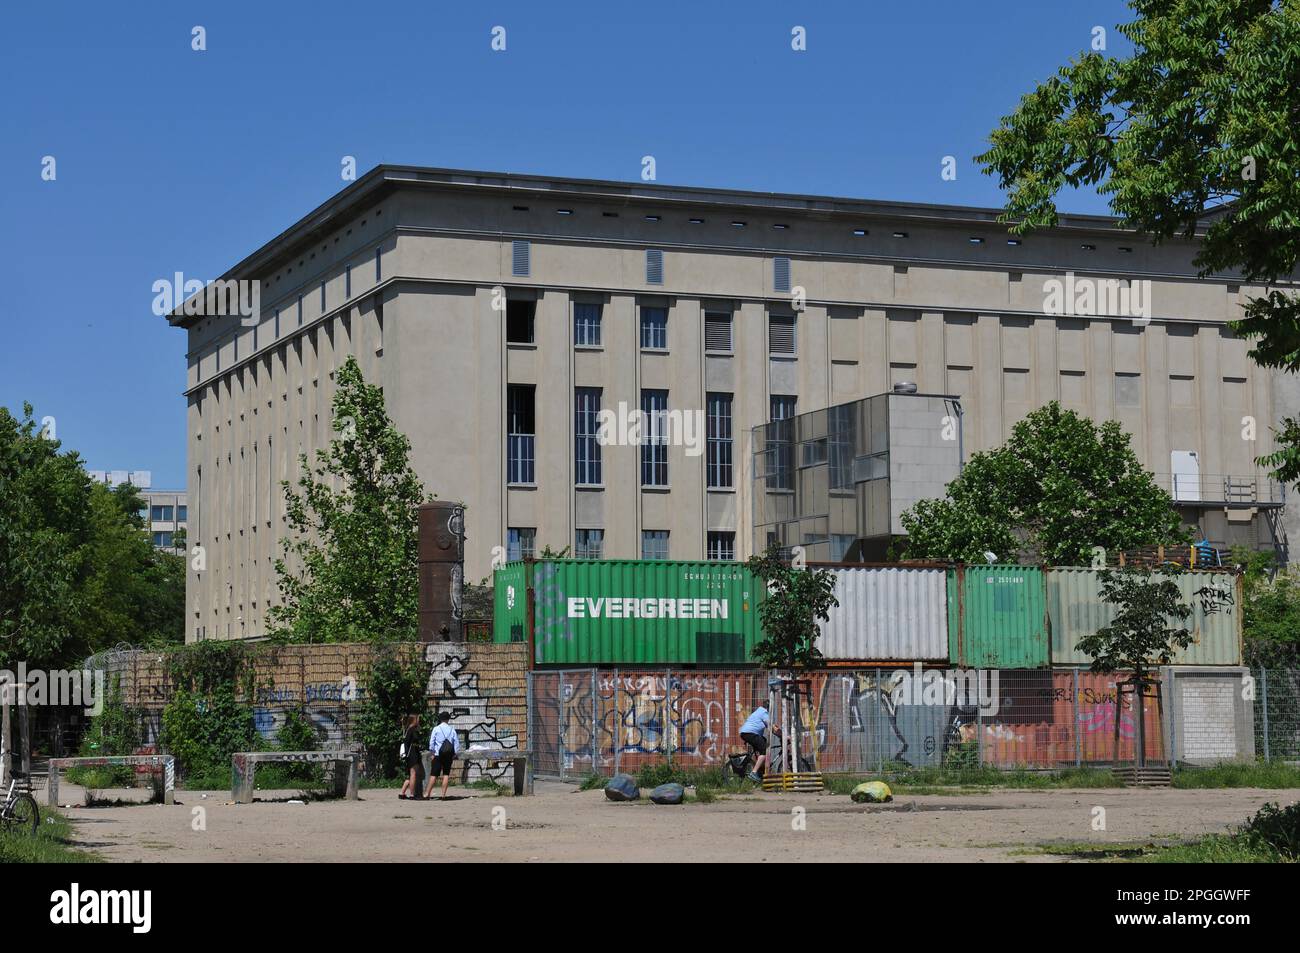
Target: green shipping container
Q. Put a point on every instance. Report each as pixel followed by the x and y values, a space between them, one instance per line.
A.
pixel 510 603
pixel 623 612
pixel 997 617
pixel 1075 609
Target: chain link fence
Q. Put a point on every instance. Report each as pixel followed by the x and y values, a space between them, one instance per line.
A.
pixel 610 720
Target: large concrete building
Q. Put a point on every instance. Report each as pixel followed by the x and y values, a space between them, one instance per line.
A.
pixel 501 313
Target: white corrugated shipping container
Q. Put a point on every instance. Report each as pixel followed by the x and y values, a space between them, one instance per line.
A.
pixel 887 614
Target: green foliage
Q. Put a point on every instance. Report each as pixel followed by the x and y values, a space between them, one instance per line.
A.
pixel 204 667
pixel 1195 129
pixel 796 599
pixel 1060 486
pixel 51 845
pixel 114 731
pixel 655 773
pixel 297 734
pixel 1141 635
pixel 202 731
pixel 1273 774
pixel 349 569
pixel 1275 829
pixel 1270 611
pixel 394 690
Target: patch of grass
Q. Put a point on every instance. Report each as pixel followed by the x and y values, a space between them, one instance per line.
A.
pixel 1089 850
pixel 269 777
pixel 593 782
pixel 1246 775
pixel 973 780
pixel 486 784
pixel 661 772
pixel 703 795
pixel 1215 849
pixel 51 845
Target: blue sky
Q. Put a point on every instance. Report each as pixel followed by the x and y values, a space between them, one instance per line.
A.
pixel 174 160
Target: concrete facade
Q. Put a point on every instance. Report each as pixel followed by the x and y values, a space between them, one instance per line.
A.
pixel 414 271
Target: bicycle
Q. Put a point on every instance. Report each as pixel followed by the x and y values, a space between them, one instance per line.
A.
pixel 19 813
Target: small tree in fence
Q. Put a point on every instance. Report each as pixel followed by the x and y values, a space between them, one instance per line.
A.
pixel 797 599
pixel 1144 633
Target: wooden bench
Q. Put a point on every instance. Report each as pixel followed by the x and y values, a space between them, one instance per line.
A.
pixel 520 759
pixel 243 767
pixel 164 761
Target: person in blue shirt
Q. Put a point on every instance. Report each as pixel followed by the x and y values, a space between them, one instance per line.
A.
pixel 444 745
pixel 754 733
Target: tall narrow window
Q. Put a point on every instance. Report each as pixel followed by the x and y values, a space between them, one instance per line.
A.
pixel 654 328
pixel 717 332
pixel 521 542
pixel 521 434
pixel 519 259
pixel 589 544
pixel 839 424
pixel 654 266
pixel 718 426
pixel 654 438
pixel 780 467
pixel 586 325
pixel 654 544
pixel 277 324
pixel 722 546
pixel 347 281
pixel 299 310
pixel 780 335
pixel 781 274
pixel 378 270
pixel 520 317
pixel 322 297
pixel 586 447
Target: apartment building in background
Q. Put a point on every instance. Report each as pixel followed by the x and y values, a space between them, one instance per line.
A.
pixel 502 314
pixel 165 512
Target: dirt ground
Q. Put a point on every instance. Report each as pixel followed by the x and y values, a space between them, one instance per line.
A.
pixel 561 823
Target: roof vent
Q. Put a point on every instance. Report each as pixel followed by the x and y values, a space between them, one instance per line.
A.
pixel 904 387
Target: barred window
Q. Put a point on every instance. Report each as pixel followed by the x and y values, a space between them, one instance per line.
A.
pixel 654 544
pixel 718 425
pixel 586 426
pixel 521 434
pixel 654 328
pixel 590 544
pixel 521 542
pixel 654 438
pixel 722 546
pixel 586 325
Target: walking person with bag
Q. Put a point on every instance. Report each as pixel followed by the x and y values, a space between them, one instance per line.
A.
pixel 444 745
pixel 409 752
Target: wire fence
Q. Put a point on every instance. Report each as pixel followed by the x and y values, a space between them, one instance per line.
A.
pixel 605 721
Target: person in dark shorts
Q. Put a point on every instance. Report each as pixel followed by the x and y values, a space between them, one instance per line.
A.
pixel 411 758
pixel 444 745
pixel 754 733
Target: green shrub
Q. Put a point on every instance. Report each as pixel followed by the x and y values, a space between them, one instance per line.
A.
pixel 114 731
pixel 297 734
pixel 394 690
pixel 1275 830
pixel 202 731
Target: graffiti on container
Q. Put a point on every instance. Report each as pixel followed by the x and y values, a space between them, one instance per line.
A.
pixel 457 690
pixel 1214 598
pixel 551 618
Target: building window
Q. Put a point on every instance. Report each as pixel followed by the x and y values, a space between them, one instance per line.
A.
pixel 347 281
pixel 163 539
pixel 717 332
pixel 590 544
pixel 521 431
pixel 722 546
pixel 586 446
pixel 654 328
pixel 277 324
pixel 378 269
pixel 718 426
pixel 654 544
pixel 299 310
pixel 840 438
pixel 520 542
pixel 780 335
pixel 519 259
pixel 654 266
pixel 520 321
pixel 322 297
pixel 654 438
pixel 780 464
pixel 781 274
pixel 161 514
pixel 182 513
pixel 586 325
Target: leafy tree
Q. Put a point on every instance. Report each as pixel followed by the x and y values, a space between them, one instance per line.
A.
pixel 349 571
pixel 796 599
pixel 394 690
pixel 1195 133
pixel 1141 636
pixel 45 553
pixel 1270 612
pixel 1060 486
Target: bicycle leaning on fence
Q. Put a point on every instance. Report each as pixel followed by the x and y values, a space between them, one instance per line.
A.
pixel 19 813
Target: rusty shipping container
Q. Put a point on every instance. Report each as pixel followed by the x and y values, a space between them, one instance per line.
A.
pixel 1075 609
pixel 886 614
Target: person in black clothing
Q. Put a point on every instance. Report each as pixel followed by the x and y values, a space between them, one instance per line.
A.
pixel 411 758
